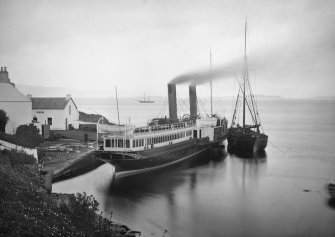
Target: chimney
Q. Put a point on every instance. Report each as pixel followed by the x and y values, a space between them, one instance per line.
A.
pixel 193 101
pixel 4 75
pixel 68 96
pixel 29 96
pixel 172 102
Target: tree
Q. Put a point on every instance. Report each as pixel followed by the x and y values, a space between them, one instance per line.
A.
pixel 28 135
pixel 3 120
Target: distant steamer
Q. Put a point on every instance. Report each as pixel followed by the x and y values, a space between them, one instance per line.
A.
pixel 163 142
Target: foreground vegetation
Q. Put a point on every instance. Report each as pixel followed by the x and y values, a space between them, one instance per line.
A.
pixel 26 210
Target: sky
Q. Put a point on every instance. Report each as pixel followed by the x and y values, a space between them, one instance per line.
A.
pixel 141 45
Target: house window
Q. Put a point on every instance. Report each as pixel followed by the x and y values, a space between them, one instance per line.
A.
pixel 35 119
pixel 120 143
pixel 108 143
pixel 69 109
pixel 50 121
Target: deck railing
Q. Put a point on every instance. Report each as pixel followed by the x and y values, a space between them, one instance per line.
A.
pixel 163 127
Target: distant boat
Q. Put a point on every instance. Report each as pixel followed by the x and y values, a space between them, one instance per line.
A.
pixel 246 138
pixel 146 100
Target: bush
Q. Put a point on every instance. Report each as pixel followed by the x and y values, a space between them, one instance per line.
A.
pixel 3 120
pixel 83 210
pixel 28 135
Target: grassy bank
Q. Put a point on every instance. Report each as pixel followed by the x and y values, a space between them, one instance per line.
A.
pixel 26 210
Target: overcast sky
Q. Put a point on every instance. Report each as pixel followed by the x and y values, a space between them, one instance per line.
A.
pixel 139 46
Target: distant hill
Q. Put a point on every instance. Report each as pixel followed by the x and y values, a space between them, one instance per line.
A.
pixel 269 97
pixel 44 91
pixel 323 98
pixel 92 118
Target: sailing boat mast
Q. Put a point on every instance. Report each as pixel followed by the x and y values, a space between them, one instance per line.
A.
pixel 211 85
pixel 245 73
pixel 117 104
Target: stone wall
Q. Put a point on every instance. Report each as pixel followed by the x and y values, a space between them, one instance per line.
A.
pixel 10 146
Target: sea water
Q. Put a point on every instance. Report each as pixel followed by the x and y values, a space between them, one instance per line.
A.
pixel 279 193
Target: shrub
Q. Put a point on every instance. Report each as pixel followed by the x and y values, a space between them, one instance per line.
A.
pixel 28 135
pixel 3 120
pixel 83 210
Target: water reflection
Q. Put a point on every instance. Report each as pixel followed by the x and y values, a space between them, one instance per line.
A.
pixel 152 201
pixel 250 155
pixel 160 181
pixel 331 203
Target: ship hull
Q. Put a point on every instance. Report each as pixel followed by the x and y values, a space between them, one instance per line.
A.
pixel 127 164
pixel 249 141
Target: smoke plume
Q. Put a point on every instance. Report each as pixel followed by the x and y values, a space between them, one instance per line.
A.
pixel 203 76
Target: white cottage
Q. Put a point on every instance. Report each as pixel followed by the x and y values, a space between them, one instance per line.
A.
pixel 60 113
pixel 16 105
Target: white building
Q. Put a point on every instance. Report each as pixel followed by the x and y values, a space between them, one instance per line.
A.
pixel 16 105
pixel 58 112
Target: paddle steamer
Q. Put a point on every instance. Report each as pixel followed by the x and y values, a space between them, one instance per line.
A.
pixel 163 142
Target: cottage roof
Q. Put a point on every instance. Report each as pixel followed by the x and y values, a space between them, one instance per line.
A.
pixel 50 102
pixel 8 93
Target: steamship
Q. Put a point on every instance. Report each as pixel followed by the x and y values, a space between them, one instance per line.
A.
pixel 163 142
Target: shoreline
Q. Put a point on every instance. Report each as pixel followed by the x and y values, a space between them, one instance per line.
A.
pixel 68 158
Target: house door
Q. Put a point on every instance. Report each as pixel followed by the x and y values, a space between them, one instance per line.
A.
pixel 66 124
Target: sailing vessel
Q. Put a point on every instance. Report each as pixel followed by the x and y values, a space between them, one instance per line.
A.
pixel 146 100
pixel 246 138
pixel 163 142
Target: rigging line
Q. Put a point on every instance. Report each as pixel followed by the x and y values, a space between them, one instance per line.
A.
pixel 163 108
pixel 276 147
pixel 236 103
pixel 181 108
pixel 248 106
pixel 252 100
pixel 184 103
pixel 202 106
pixel 259 117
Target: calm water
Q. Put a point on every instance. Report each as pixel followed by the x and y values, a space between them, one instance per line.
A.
pixel 279 193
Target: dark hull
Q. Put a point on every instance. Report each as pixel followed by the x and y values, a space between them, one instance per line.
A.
pixel 127 164
pixel 248 141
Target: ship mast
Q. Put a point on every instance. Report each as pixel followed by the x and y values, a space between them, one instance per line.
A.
pixel 211 85
pixel 245 73
pixel 117 104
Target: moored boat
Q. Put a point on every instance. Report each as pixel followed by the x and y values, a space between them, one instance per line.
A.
pixel 246 138
pixel 164 142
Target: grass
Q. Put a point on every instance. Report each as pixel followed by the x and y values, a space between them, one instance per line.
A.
pixel 76 134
